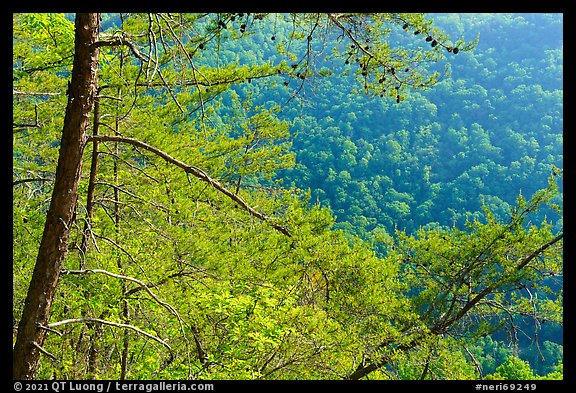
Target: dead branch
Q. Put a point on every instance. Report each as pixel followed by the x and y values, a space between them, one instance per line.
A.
pixel 32 93
pixel 127 278
pixel 109 323
pixel 45 352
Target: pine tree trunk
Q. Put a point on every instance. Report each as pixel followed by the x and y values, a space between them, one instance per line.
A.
pixel 61 213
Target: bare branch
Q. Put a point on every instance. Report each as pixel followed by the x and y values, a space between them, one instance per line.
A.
pixel 50 330
pixel 30 180
pixel 127 278
pixel 45 352
pixel 104 322
pixel 118 40
pixel 172 310
pixel 473 358
pixel 33 93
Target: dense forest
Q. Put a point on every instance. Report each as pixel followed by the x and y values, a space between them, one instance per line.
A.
pixel 287 196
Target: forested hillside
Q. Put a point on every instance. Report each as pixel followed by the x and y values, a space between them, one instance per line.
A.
pixel 287 196
pixel 491 130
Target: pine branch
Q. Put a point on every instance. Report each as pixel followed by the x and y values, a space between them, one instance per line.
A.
pixel 197 172
pixel 489 289
pixel 364 370
pixel 142 285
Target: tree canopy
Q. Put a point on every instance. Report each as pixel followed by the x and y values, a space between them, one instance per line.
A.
pixel 171 188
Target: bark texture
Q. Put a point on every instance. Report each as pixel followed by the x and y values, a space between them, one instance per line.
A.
pixel 61 213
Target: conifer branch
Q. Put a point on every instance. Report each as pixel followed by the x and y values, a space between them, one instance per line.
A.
pixel 197 172
pixel 364 369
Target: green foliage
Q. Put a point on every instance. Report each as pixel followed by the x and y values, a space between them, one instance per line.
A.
pixel 557 373
pixel 193 284
pixel 477 137
pixel 513 369
pixel 45 41
pixel 442 361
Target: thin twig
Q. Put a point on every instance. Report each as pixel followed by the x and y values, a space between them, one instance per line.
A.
pixel 45 352
pixel 20 181
pixel 104 322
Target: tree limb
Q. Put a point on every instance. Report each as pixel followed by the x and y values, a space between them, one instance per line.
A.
pixel 198 173
pixel 526 260
pixel 127 278
pixel 20 181
pixel 45 352
pixel 201 353
pixel 364 370
pixel 104 322
pixel 118 40
pixel 32 93
pixel 489 289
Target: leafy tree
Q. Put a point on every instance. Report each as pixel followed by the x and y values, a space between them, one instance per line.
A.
pixel 514 369
pixel 468 284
